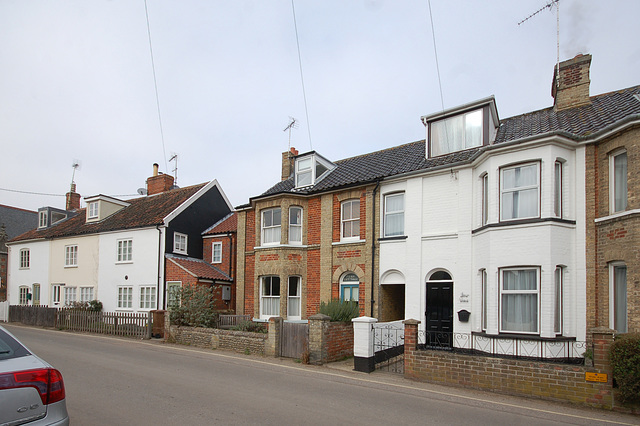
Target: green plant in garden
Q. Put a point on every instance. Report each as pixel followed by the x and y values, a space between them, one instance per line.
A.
pixel 253 327
pixel 340 310
pixel 625 363
pixel 195 307
pixel 93 306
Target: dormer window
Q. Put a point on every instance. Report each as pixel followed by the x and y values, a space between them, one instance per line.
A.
pixel 461 128
pixel 311 168
pixel 93 210
pixel 42 219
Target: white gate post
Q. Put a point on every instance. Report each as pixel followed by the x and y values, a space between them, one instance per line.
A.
pixel 363 351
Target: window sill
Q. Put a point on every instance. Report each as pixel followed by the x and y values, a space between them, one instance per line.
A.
pixel 517 222
pixel 70 266
pixel 343 242
pixel 618 215
pixel 126 262
pixel 516 336
pixel 398 238
pixel 280 246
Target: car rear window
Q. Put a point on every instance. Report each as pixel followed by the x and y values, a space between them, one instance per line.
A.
pixel 10 347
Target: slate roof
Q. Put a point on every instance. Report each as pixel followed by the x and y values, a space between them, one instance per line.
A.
pixel 226 225
pixel 578 123
pixel 141 212
pixel 199 268
pixel 16 220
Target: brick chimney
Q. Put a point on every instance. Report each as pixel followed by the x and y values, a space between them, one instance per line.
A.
pixel 288 163
pixel 159 182
pixel 73 199
pixel 572 88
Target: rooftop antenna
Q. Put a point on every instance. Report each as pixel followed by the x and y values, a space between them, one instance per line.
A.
pixel 174 157
pixel 550 5
pixel 76 166
pixel 293 124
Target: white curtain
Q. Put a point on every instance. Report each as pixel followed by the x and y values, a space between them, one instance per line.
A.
pixel 620 177
pixel 394 215
pixel 620 298
pixel 524 202
pixel 520 310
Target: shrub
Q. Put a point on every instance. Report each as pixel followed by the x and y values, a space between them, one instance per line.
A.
pixel 93 306
pixel 253 327
pixel 340 311
pixel 194 307
pixel 625 363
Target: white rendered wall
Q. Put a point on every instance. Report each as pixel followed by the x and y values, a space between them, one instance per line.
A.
pixel 38 271
pixel 85 274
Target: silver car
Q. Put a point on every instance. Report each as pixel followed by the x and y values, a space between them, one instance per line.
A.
pixel 31 391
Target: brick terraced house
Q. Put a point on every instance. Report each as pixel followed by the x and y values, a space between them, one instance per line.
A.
pixel 216 268
pixel 113 250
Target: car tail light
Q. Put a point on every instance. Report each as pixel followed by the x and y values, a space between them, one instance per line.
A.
pixel 48 382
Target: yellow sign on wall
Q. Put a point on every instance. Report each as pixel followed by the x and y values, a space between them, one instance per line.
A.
pixel 596 377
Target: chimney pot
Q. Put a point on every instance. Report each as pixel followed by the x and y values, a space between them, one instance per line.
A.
pixel 570 86
pixel 155 169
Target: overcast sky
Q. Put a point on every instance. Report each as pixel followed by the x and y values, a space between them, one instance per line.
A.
pixel 76 81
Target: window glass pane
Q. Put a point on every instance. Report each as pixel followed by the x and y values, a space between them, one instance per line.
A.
pixel 520 312
pixel 557 324
pixel 320 170
pixel 351 277
pixel 304 164
pixel 620 298
pixel 525 279
pixel 620 181
pixel 473 129
pixel 304 178
pixel 557 199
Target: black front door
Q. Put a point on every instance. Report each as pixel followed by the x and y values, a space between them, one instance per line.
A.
pixel 439 314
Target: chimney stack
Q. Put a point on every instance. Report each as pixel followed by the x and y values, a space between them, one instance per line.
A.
pixel 73 199
pixel 159 182
pixel 288 163
pixel 571 89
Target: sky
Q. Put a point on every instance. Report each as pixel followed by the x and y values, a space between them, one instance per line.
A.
pixel 77 82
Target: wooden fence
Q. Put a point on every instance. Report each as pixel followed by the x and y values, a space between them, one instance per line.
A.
pixel 228 321
pixel 128 324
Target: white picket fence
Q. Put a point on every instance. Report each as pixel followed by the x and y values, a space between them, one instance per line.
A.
pixel 4 311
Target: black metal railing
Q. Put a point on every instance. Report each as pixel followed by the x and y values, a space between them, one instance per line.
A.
pixel 564 350
pixel 388 346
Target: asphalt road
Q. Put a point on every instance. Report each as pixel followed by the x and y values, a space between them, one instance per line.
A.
pixel 111 381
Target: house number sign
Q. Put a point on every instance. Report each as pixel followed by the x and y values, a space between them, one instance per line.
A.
pixel 596 377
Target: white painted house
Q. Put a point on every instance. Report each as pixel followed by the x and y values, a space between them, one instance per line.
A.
pixel 114 250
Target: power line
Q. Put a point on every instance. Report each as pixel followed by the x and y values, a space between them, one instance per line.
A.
pixel 304 93
pixel 58 195
pixel 435 50
pixel 155 85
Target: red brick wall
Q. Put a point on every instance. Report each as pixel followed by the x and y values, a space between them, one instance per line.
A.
pixel 314 219
pixel 339 341
pixel 549 381
pixel 228 263
pixel 313 282
pixel 175 273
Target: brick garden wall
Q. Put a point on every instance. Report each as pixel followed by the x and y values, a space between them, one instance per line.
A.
pixel 558 382
pixel 339 341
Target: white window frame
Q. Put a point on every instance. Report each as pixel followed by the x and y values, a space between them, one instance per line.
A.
pixel 148 297
pixel 70 295
pixel 296 227
pixel 504 292
pixel 71 256
pixel 56 293
pixel 42 219
pixel 124 251
pixel 125 297
pixel 350 220
pixel 86 294
pixel 558 190
pixel 266 229
pixel 24 295
pixel 558 311
pixel 180 243
pixel 216 252
pixel 268 297
pixel 519 189
pixel 614 306
pixel 393 213
pixel 25 258
pixel 36 291
pixel 92 210
pixel 294 306
pixel 485 198
pixel 615 183
pixel 310 171
pixel 483 299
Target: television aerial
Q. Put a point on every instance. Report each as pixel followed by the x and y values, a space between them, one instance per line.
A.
pixel 293 124
pixel 76 165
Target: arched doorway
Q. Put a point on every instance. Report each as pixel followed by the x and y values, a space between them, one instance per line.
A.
pixel 439 309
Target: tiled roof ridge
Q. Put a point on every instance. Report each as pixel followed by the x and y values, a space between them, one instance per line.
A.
pixel 177 259
pixel 218 223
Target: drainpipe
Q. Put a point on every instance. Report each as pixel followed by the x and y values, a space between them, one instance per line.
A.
pixel 373 245
pixel 160 259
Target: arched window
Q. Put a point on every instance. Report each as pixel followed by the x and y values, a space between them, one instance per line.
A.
pixel 349 287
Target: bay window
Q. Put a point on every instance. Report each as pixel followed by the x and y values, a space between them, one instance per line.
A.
pixel 618 297
pixel 295 225
pixel 271 220
pixel 520 192
pixel 558 302
pixel 519 295
pixel 269 297
pixel 293 301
